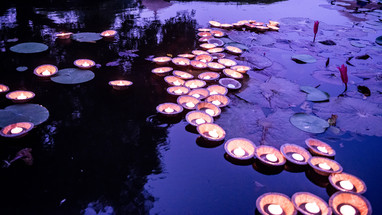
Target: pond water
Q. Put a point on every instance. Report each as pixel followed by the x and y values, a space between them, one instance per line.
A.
pixel 107 152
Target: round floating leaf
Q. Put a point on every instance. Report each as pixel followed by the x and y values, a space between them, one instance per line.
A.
pixel 29 48
pixel 378 40
pixel 359 43
pixel 309 123
pixel 33 113
pixel 21 69
pixel 86 37
pixel 314 94
pixel 73 76
pixel 303 58
pixel 259 62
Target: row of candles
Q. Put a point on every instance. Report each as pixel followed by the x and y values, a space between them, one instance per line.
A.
pixel 248 24
pixel 105 34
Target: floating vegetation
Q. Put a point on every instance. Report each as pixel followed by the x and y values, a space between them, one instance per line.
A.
pixel 303 58
pixel 73 76
pixel 88 37
pixel 314 94
pixel 33 113
pixel 309 123
pixel 29 48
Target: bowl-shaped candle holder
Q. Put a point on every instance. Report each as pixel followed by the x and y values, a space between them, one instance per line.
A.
pixel 230 83
pixel 162 60
pixel 64 35
pixel 162 71
pixel 275 203
pixel 205 39
pixel 308 204
pixel 227 62
pixel 196 118
pixel 217 42
pixel 45 70
pixel 215 50
pixel 269 155
pixel 207 46
pixel 188 102
pixel 218 100
pixel 195 83
pixel 226 26
pixel 211 132
pixel 217 56
pixel 233 50
pixel 204 29
pixel 230 73
pixel 178 90
pixel 347 183
pixel 200 93
pixel 240 148
pixel 252 21
pixel 204 34
pixel 199 52
pixel 324 166
pixel 295 154
pixel 189 56
pixel 206 58
pixel 217 89
pixel 258 23
pixel 120 84
pixel 198 64
pixel 183 75
pixel 217 33
pixel 109 34
pixel 260 28
pixel 84 63
pixel 317 147
pixel 241 68
pixel 20 96
pixel 3 88
pixel 16 130
pixel 181 61
pixel 169 109
pixel 250 26
pixel 238 25
pixel 174 81
pixel 209 108
pixel 243 22
pixel 273 28
pixel 214 24
pixel 215 66
pixel 344 203
pixel 274 23
pixel 209 76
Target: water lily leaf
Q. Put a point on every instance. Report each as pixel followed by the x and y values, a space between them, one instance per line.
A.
pixel 328 42
pixel 114 63
pixel 73 76
pixel 362 57
pixel 360 43
pixel 378 40
pixel 86 37
pixel 29 48
pixel 314 94
pixel 364 90
pixel 21 69
pixel 259 62
pixel 309 123
pixel 303 58
pixel 33 113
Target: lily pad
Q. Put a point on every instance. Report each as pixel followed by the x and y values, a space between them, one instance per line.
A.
pixel 259 62
pixel 303 58
pixel 29 48
pixel 309 123
pixel 328 42
pixel 359 43
pixel 378 40
pixel 73 76
pixel 33 113
pixel 21 69
pixel 314 94
pixel 86 37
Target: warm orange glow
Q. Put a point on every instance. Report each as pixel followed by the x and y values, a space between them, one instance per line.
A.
pixel 84 63
pixel 227 62
pixel 199 52
pixel 17 129
pixel 109 33
pixel 217 33
pixel 204 34
pixel 161 70
pixel 215 50
pixel 180 61
pixel 215 24
pixel 241 69
pixel 204 58
pixel 207 46
pixel 45 70
pixel 234 49
pixel 64 35
pixel 215 66
pixel 20 96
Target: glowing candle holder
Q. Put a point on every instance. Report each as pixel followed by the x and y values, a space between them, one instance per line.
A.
pixel 344 203
pixel 207 46
pixel 241 68
pixel 217 56
pixel 261 29
pixel 196 118
pixel 181 61
pixel 274 23
pixel 214 24
pixel 188 56
pixel 199 52
pixel 109 34
pixel 20 96
pixel 230 83
pixel 324 166
pixel 162 60
pixel 205 39
pixel 217 42
pixel 206 58
pixel 204 34
pixel 45 70
pixel 200 93
pixel 238 26
pixel 169 109
pixel 250 26
pixel 209 109
pixel 211 132
pixel 217 89
pixel 217 33
pixel 178 91
pixel 198 64
pixel 240 148
pixel 295 154
pixel 273 28
pixel 204 29
pixel 174 81
pixel 84 63
pixel 226 26
pixel 120 84
pixel 188 102
pixel 317 147
pixel 275 203
pixel 162 71
pixel 16 130
pixel 269 155
pixel 243 22
pixel 308 204
pixel 3 88
pixel 258 23
pixel 227 62
pixel 195 83
pixel 218 100
pixel 183 75
pixel 215 50
pixel 209 76
pixel 64 35
pixel 233 50
pixel 230 73
pixel 347 183
pixel 215 66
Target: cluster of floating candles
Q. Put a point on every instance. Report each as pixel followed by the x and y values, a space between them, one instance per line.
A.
pixel 248 24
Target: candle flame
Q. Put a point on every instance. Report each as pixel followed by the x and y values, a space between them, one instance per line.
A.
pixel 21 96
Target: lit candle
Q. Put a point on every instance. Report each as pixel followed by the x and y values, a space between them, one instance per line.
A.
pixel 275 209
pixel 16 130
pixel 234 75
pixel 196 95
pixel 239 152
pixel 192 85
pixel 297 157
pixel 324 166
pixel 216 102
pixel 200 121
pixel 184 76
pixel 347 185
pixel 199 65
pixel 120 83
pixel 271 157
pixel 210 112
pixel 181 63
pixel 190 104
pixel 312 207
pixel 347 210
pixel 1 90
pixel 213 93
pixel 231 86
pixel 207 77
pixel 213 134
pixel 178 91
pixel 86 64
pixel 176 83
pixel 322 149
pixel 107 34
pixel 204 60
pixel 46 72
pixel 168 110
pixel 21 96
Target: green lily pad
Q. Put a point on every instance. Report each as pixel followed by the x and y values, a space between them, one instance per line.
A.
pixel 314 94
pixel 303 58
pixel 21 69
pixel 378 40
pixel 29 48
pixel 86 37
pixel 33 113
pixel 73 76
pixel 309 123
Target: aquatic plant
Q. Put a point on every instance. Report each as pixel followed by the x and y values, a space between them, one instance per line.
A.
pixel 344 75
pixel 315 29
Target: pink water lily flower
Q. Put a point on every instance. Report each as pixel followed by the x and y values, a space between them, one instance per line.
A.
pixel 344 75
pixel 315 29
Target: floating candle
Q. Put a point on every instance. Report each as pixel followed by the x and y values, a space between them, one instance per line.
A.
pixel 312 207
pixel 275 209
pixel 216 102
pixel 168 110
pixel 184 76
pixel 178 91
pixel 16 130
pixel 322 149
pixel 192 85
pixel 190 104
pixel 21 96
pixel 297 157
pixel 182 63
pixel 347 210
pixel 347 185
pixel 120 83
pixel 213 134
pixel 85 64
pixel 196 95
pixel 45 73
pixel 324 166
pixel 213 93
pixel 239 152
pixel 271 157
pixel 210 112
pixel 207 77
pixel 231 86
pixel 200 121
pixel 176 83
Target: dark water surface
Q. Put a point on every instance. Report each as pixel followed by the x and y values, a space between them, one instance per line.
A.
pixel 103 151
